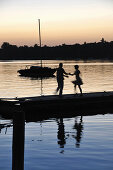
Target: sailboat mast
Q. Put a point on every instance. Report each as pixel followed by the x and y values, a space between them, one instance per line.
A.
pixel 40 40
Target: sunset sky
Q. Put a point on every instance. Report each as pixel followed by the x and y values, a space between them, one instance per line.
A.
pixel 62 21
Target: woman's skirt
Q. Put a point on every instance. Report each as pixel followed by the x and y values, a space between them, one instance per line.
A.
pixel 78 81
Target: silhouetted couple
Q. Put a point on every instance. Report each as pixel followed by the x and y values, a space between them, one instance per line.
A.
pixel 60 78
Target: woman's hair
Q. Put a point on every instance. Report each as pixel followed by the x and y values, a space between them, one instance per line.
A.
pixel 76 66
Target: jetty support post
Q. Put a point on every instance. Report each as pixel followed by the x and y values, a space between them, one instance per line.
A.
pixel 18 140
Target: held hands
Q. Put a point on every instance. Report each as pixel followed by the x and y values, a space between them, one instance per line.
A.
pixel 71 74
pixel 68 75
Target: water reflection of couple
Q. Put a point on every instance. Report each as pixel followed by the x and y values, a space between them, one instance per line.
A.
pixel 60 78
pixel 78 126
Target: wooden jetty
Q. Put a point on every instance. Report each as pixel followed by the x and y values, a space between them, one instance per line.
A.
pixel 68 103
pixel 56 106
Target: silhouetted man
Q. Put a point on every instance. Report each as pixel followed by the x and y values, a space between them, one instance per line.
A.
pixel 60 78
pixel 61 133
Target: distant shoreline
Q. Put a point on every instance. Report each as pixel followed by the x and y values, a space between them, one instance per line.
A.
pixel 88 51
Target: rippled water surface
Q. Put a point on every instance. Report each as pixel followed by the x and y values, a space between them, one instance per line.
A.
pixel 82 143
pixel 96 77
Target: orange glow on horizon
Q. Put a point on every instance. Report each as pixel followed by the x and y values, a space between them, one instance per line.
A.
pixel 69 25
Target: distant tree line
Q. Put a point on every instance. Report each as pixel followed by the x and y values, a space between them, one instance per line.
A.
pixel 97 50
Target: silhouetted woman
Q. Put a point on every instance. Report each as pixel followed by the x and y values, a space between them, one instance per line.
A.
pixel 78 82
pixel 79 130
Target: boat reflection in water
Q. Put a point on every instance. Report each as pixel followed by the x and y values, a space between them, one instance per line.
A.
pixel 26 74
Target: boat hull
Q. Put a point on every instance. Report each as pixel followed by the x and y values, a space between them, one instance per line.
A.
pixel 37 72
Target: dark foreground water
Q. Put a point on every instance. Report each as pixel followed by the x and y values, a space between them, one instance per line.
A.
pixel 72 143
pixel 81 143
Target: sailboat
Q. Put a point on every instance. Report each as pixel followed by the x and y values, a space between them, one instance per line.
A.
pixel 37 71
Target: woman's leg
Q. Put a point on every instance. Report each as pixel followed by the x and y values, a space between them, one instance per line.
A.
pixel 75 88
pixel 80 89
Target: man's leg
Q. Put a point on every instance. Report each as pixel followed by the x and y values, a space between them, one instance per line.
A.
pixel 57 89
pixel 61 88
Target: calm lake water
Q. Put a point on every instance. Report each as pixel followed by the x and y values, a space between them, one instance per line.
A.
pixel 81 143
